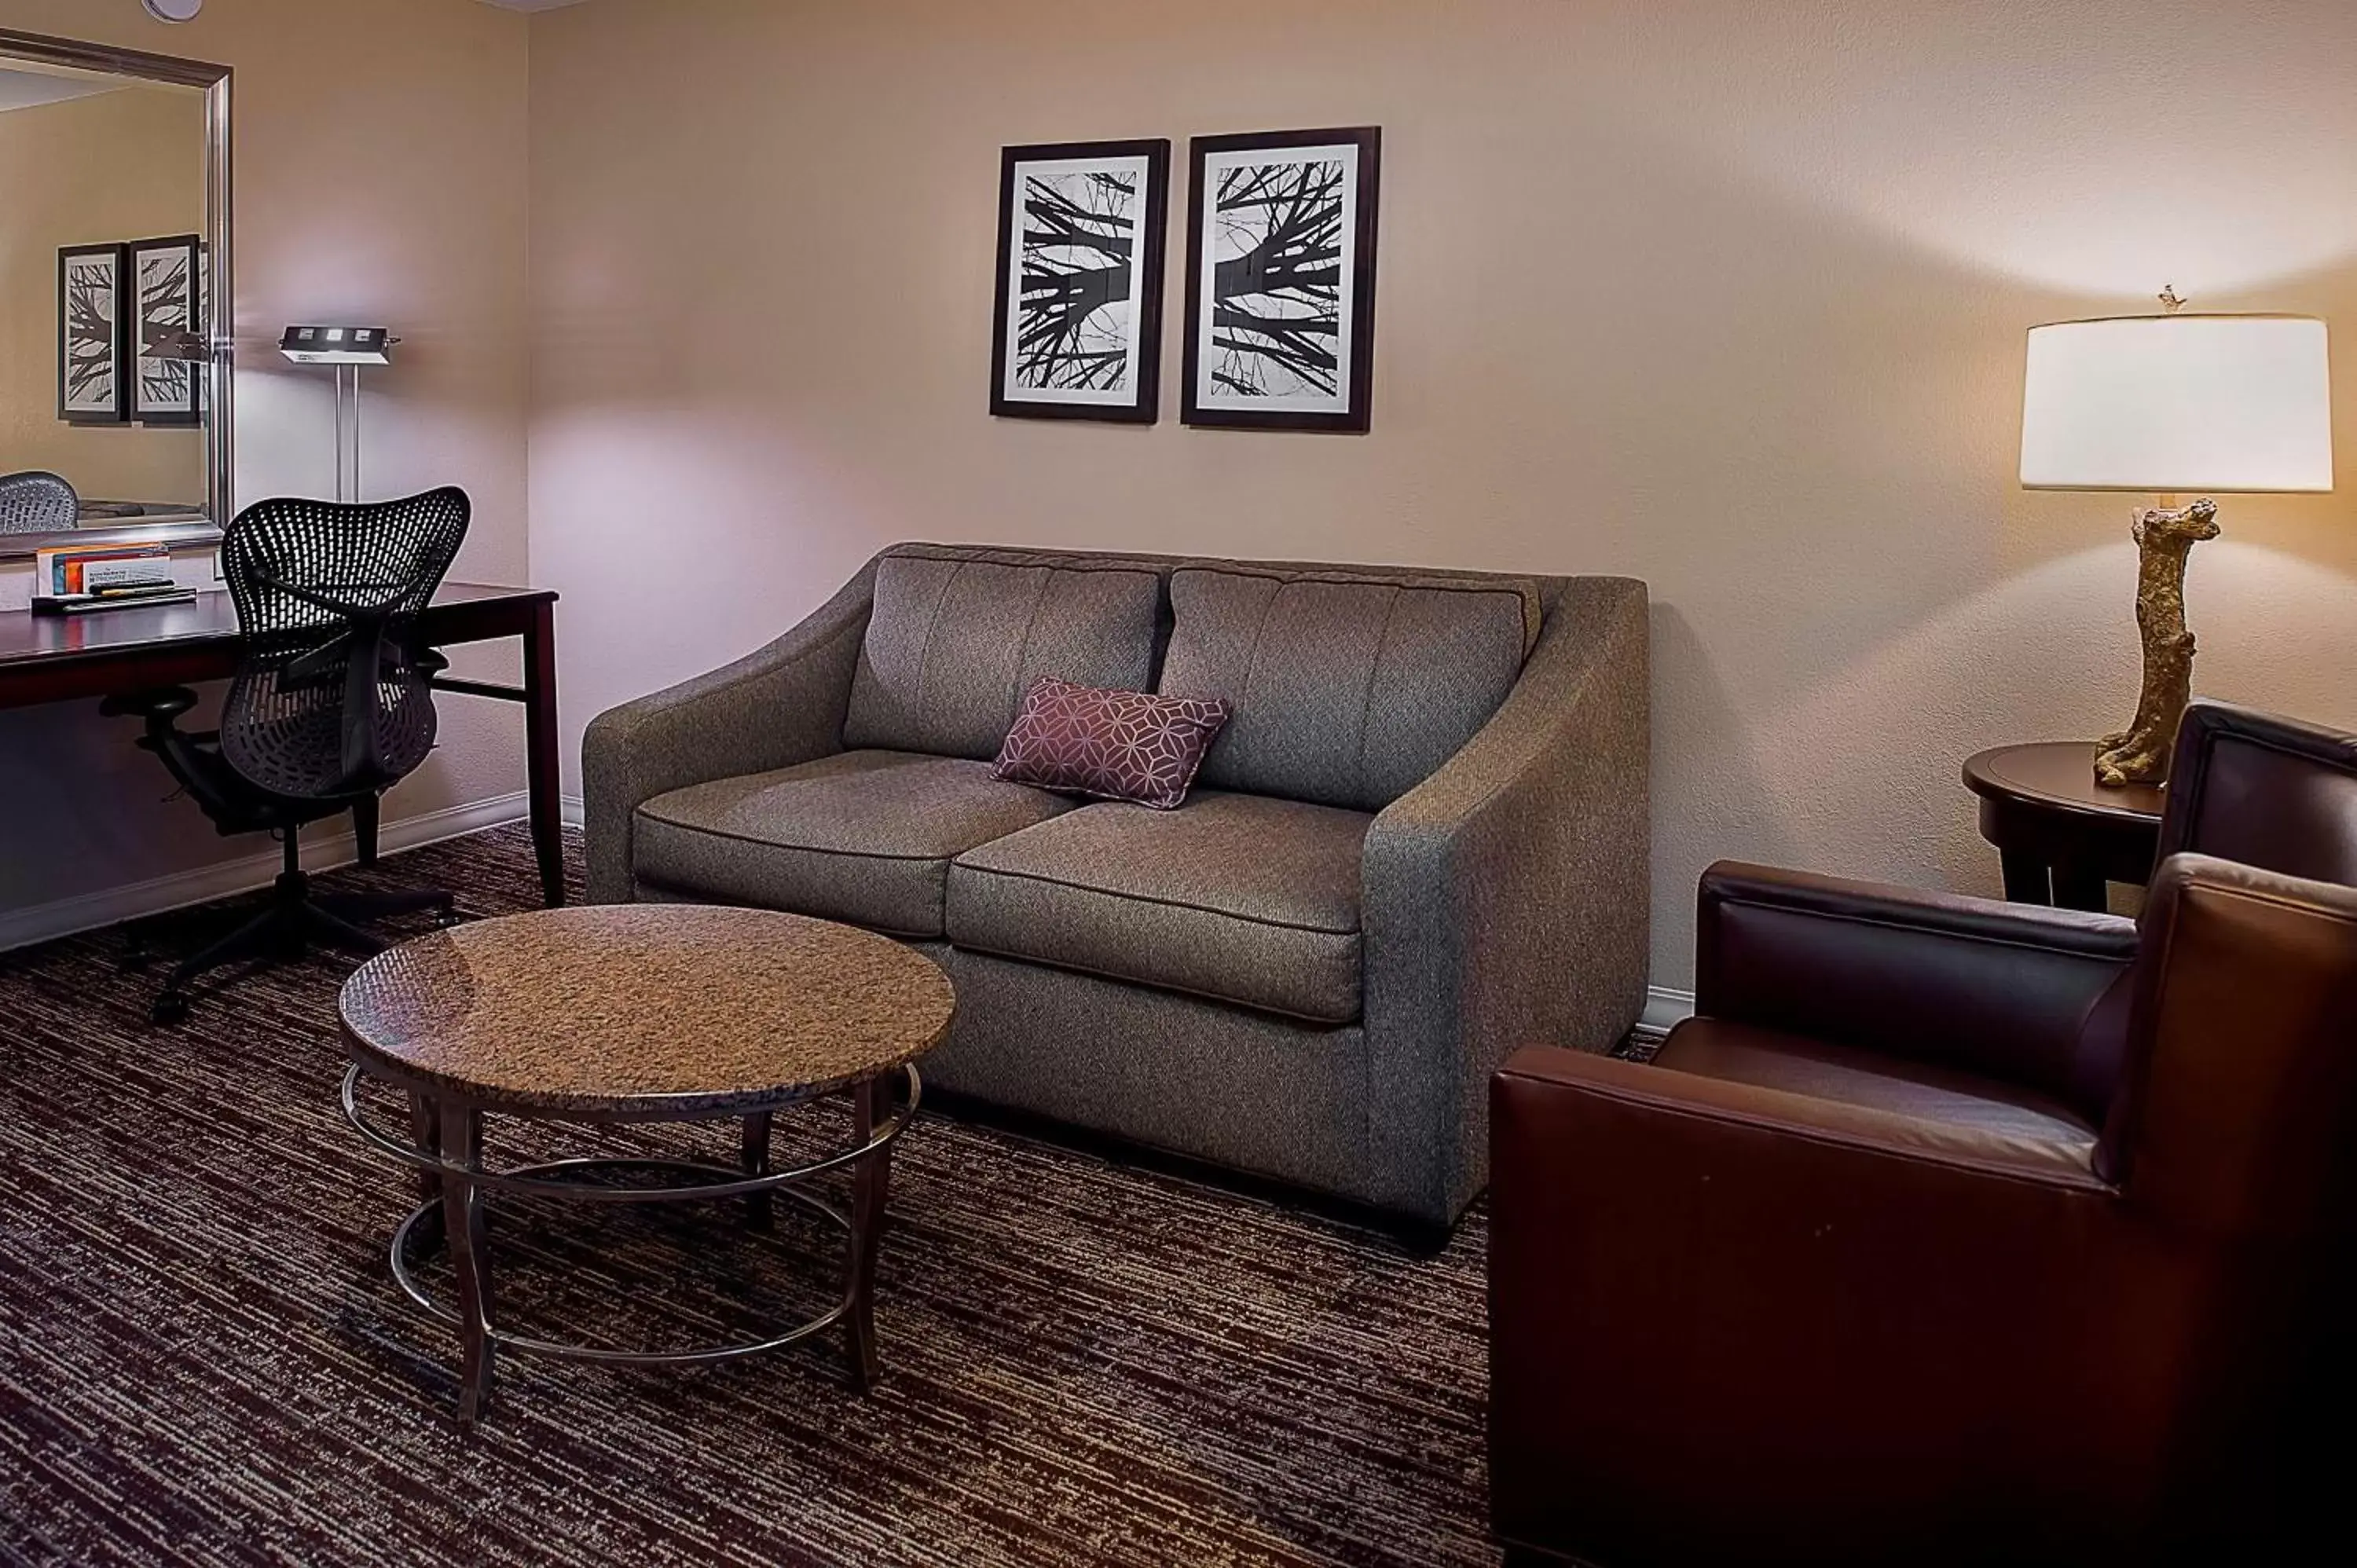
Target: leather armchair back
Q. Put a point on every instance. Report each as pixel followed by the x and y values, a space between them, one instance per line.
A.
pixel 2266 791
pixel 2267 807
pixel 2240 1108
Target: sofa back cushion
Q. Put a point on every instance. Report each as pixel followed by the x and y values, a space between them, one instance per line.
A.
pixel 958 636
pixel 1343 689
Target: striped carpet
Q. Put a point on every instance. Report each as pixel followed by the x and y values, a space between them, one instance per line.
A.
pixel 202 1359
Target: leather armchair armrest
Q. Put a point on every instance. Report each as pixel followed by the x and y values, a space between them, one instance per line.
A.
pixel 1810 1303
pixel 1554 1087
pixel 1505 898
pixel 781 705
pixel 1998 989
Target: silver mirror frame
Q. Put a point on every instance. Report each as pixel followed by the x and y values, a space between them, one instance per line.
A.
pixel 222 325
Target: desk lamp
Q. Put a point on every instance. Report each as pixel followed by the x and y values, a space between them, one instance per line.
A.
pixel 344 350
pixel 2166 403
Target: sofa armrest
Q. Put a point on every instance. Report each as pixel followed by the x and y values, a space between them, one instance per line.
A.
pixel 1506 898
pixel 2002 990
pixel 1809 1302
pixel 778 706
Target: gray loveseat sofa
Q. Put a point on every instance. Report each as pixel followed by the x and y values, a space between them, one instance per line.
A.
pixel 1420 841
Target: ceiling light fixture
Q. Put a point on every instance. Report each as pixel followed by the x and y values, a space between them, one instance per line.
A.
pixel 172 10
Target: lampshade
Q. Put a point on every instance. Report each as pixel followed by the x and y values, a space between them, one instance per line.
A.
pixel 2191 404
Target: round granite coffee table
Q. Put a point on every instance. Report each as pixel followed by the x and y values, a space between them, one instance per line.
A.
pixel 639 1012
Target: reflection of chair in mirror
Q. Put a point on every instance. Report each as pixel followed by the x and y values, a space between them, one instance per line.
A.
pixel 332 703
pixel 36 501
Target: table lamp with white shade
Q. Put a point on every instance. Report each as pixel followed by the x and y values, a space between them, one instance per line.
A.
pixel 2170 403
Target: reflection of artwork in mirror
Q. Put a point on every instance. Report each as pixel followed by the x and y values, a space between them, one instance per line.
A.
pixel 164 387
pixel 203 372
pixel 89 335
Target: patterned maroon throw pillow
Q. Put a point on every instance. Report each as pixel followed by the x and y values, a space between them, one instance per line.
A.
pixel 1115 746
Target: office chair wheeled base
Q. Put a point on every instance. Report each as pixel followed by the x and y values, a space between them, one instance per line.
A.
pixel 292 922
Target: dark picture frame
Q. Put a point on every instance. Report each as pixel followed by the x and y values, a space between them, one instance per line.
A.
pixel 1281 229
pixel 1076 332
pixel 166 293
pixel 93 371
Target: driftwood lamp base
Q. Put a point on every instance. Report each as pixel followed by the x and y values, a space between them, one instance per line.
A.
pixel 2164 536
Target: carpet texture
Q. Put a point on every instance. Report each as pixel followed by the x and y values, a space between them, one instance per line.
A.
pixel 203 1360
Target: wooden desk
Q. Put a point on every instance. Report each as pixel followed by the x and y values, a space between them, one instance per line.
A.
pixel 2060 835
pixel 53 658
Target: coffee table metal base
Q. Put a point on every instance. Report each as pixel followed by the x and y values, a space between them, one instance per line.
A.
pixel 447 1153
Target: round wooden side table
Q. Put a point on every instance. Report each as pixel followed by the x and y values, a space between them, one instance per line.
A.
pixel 2060 835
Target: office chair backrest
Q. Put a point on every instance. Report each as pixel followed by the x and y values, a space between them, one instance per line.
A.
pixel 2266 791
pixel 333 694
pixel 36 501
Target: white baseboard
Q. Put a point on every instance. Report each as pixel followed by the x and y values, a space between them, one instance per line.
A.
pixel 1664 1010
pixel 569 806
pixel 88 911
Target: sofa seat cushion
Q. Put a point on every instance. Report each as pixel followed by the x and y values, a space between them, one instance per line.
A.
pixel 1242 899
pixel 862 836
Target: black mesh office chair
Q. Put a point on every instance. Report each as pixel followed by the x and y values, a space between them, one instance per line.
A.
pixel 36 501
pixel 332 702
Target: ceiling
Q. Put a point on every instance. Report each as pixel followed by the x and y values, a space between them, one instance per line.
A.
pixel 530 4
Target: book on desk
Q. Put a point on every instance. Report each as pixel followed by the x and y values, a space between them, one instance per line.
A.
pixel 76 579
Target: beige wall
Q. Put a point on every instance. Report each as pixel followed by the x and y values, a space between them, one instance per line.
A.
pixel 116 167
pixel 380 175
pixel 1728 296
pixel 1725 296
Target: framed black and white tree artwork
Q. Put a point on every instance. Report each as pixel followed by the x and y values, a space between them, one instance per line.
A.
pixel 1281 279
pixel 167 280
pixel 1077 332
pixel 92 373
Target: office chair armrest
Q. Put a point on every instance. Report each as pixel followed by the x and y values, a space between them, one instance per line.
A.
pixel 1998 989
pixel 191 756
pixel 776 708
pixel 342 609
pixel 157 706
pixel 334 659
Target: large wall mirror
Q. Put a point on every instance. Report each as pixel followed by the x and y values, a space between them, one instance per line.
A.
pixel 114 296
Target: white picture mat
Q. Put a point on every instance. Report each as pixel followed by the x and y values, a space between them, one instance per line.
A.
pixel 1207 393
pixel 1139 168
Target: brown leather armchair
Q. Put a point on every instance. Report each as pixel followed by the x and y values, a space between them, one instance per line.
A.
pixel 1949 1230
